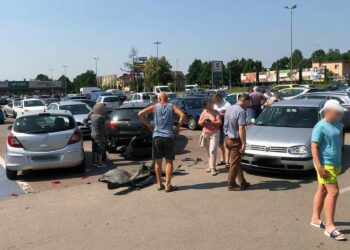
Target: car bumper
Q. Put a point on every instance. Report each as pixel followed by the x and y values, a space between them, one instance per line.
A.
pixel 277 163
pixel 20 159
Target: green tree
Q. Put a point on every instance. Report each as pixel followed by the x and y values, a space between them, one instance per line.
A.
pixel 194 72
pixel 66 82
pixel 205 73
pixel 318 55
pixel 155 68
pixel 87 79
pixel 297 58
pixel 233 72
pixel 282 63
pixel 42 77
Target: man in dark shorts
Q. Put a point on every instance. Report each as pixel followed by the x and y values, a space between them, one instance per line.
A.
pixel 163 145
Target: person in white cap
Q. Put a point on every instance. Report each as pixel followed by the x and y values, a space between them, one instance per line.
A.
pixel 326 147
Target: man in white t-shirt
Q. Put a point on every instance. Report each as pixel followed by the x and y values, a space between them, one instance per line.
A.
pixel 221 105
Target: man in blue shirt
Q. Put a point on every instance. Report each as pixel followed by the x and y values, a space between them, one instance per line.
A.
pixel 326 147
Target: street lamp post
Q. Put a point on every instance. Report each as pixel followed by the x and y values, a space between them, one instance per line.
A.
pixel 157 43
pixel 65 81
pixel 291 8
pixel 96 60
pixel 51 70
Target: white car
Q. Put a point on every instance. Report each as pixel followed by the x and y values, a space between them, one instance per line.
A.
pixel 140 97
pixel 9 109
pixel 44 140
pixel 29 105
pixel 110 102
pixel 291 93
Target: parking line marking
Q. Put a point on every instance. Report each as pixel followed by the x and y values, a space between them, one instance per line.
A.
pixel 343 190
pixel 22 184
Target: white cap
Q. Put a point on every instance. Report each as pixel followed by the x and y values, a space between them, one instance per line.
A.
pixel 333 105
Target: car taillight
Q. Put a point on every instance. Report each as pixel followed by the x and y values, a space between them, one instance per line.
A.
pixel 12 141
pixel 112 125
pixel 76 137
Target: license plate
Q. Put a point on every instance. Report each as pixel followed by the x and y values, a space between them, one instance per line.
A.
pixel 267 160
pixel 45 158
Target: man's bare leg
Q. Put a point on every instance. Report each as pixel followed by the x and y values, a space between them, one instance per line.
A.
pixel 168 173
pixel 330 204
pixel 222 154
pixel 318 202
pixel 158 169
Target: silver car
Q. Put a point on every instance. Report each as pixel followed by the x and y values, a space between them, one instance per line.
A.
pixel 280 139
pixel 44 140
pixel 79 110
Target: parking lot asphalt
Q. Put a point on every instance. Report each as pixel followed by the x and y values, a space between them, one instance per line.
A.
pixel 70 211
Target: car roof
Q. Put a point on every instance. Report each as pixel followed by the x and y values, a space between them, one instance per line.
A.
pixel 339 93
pixel 56 112
pixel 300 103
pixel 191 97
pixel 74 102
pixel 135 105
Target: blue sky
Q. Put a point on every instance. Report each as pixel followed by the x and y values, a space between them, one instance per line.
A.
pixel 36 35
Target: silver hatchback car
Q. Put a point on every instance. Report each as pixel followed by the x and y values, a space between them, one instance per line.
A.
pixel 280 139
pixel 44 140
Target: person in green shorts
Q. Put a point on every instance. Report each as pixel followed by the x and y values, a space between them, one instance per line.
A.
pixel 326 148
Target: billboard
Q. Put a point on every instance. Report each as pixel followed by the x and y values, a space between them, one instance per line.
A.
pixel 216 66
pixel 268 76
pixel 248 77
pixel 314 74
pixel 286 75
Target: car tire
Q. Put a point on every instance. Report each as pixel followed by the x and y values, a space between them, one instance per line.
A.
pixel 192 123
pixel 11 174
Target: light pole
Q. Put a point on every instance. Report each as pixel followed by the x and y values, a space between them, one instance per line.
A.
pixel 51 70
pixel 157 43
pixel 65 73
pixel 96 60
pixel 291 8
pixel 177 70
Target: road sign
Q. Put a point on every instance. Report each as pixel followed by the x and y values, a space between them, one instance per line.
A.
pixel 143 58
pixel 217 66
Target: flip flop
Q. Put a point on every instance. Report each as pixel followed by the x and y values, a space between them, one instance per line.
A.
pixel 321 225
pixel 335 234
pixel 171 189
pixel 162 187
pixel 221 163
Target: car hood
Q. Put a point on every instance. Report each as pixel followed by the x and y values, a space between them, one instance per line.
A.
pixel 196 112
pixel 278 136
pixel 80 118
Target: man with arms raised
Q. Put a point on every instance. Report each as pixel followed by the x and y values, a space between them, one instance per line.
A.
pixel 163 145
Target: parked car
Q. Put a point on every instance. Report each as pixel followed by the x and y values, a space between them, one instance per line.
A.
pixel 96 95
pixel 49 100
pixel 341 96
pixel 110 102
pixel 192 106
pixel 291 93
pixel 232 98
pixel 283 86
pixel 140 97
pixel 79 110
pixel 90 103
pixel 339 87
pixel 280 139
pixel 2 117
pixel 71 97
pixel 125 124
pixel 29 105
pixel 9 108
pixel 120 94
pixel 43 140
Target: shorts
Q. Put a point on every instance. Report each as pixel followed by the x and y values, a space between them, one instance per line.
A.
pixel 98 146
pixel 163 147
pixel 221 137
pixel 333 172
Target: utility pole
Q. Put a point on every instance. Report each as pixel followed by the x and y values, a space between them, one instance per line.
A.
pixel 65 77
pixel 96 60
pixel 177 70
pixel 51 81
pixel 291 8
pixel 157 43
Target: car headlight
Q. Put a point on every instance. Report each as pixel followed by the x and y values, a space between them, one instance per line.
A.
pixel 298 150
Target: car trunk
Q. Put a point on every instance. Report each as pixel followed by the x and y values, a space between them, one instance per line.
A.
pixel 45 141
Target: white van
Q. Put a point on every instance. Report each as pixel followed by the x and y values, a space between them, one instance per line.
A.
pixel 191 87
pixel 89 90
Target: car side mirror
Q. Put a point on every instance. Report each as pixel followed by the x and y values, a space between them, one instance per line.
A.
pixel 9 127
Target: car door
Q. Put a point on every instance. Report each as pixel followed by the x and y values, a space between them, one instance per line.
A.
pixel 9 108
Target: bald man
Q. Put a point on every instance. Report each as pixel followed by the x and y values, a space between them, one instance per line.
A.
pixel 258 99
pixel 163 145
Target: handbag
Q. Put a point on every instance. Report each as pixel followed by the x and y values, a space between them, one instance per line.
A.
pixel 202 140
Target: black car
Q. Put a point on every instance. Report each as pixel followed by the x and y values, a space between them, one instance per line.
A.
pixel 121 96
pixel 192 106
pixel 125 124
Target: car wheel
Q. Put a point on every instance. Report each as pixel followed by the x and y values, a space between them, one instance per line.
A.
pixel 11 174
pixel 192 123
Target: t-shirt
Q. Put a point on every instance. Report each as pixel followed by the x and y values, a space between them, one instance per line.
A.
pixel 209 128
pixel 222 107
pixel 328 137
pixel 257 98
pixel 235 116
pixel 98 126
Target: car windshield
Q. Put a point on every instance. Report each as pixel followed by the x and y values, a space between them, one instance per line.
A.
pixel 77 109
pixel 126 114
pixel 33 103
pixel 46 123
pixel 195 103
pixel 293 117
pixel 50 100
pixel 164 89
pixel 111 99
